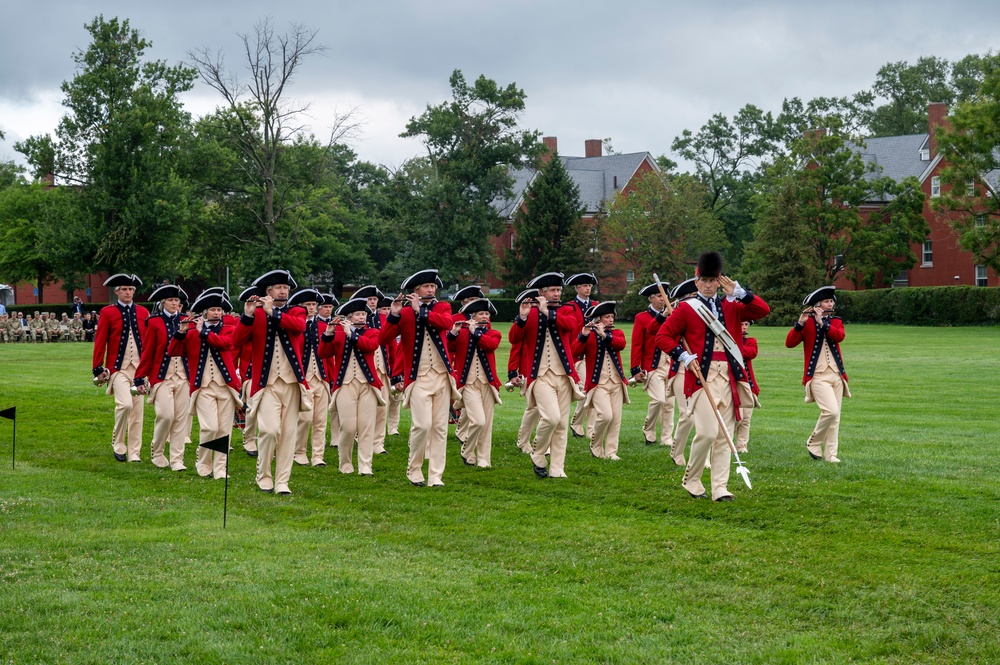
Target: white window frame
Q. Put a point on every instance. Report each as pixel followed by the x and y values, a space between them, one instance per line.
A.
pixel 927 254
pixel 629 276
pixel 980 221
pixel 935 186
pixel 982 278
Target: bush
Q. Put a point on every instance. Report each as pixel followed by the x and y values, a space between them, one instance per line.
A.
pixel 924 306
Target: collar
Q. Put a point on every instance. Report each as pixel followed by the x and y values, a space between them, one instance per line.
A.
pixel 129 306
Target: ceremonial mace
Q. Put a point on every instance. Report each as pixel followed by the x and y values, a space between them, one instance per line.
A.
pixel 740 469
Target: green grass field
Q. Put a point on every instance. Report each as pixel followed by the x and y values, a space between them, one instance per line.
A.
pixel 889 557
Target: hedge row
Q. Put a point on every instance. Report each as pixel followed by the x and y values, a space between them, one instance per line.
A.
pixel 923 306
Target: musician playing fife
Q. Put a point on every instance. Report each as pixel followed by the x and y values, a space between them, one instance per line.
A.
pixel 601 344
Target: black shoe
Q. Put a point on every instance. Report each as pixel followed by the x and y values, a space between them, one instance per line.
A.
pixel 121 458
pixel 724 498
pixel 467 462
pixel 814 456
pixel 251 453
pixel 384 452
pixel 698 496
pixel 418 483
pixel 270 491
pixel 650 443
pixel 576 435
pixel 541 471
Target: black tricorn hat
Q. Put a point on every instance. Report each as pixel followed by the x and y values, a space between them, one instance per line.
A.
pixel 250 292
pixel 581 278
pixel 473 291
pixel 167 291
pixel 123 279
pixel 527 293
pixel 546 280
pixel 654 288
pixel 356 305
pixel 330 299
pixel 478 305
pixel 211 298
pixel 384 301
pixel 709 265
pixel 600 309
pixel 822 293
pixel 422 277
pixel 302 296
pixel 369 291
pixel 275 277
pixel 685 288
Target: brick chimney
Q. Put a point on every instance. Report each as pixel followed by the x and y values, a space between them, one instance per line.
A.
pixel 592 148
pixel 937 116
pixel 551 148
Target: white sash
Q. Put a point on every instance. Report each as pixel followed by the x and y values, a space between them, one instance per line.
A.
pixel 721 334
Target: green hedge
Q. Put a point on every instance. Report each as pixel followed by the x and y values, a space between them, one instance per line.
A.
pixel 923 306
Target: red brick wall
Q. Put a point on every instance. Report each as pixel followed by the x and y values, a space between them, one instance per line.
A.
pixel 24 294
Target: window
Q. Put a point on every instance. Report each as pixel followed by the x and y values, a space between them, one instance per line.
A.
pixel 981 279
pixel 925 155
pixel 629 276
pixel 970 188
pixel 927 256
pixel 980 221
pixel 512 241
pixel 902 279
pixel 936 186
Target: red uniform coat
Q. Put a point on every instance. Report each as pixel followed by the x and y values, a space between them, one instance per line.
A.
pixel 310 346
pixel 155 358
pixel 684 323
pixel 593 348
pixel 516 338
pixel 807 334
pixel 339 345
pixel 435 320
pixel 749 347
pixel 254 330
pixel 190 345
pixel 644 356
pixel 108 342
pixel 465 346
pixel 577 309
pixel 532 342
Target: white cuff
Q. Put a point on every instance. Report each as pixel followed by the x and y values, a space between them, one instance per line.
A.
pixel 739 293
pixel 686 358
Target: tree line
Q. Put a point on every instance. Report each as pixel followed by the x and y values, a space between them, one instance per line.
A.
pixel 147 188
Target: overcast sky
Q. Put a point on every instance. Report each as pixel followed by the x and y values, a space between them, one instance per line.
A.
pixel 638 72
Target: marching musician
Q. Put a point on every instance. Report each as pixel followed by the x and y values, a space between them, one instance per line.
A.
pixel 750 351
pixel 462 297
pixel 324 313
pixel 117 351
pixel 820 333
pixel 426 369
pixel 650 368
pixel 583 283
pixel 516 380
pixel 207 344
pixel 395 398
pixel 710 325
pixel 552 383
pixel 165 378
pixel 675 381
pixel 383 366
pixel 279 390
pixel 473 344
pixel 243 356
pixel 601 345
pixel 314 368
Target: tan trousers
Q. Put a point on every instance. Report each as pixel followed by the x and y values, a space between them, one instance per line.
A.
pixel 250 425
pixel 709 438
pixel 126 438
pixel 430 399
pixel 392 413
pixel 215 406
pixel 553 395
pixel 314 423
pixel 277 407
pixel 579 422
pixel 479 404
pixel 528 422
pixel 334 427
pixel 381 414
pixel 743 430
pixel 828 392
pixel 685 421
pixel 170 403
pixel 356 402
pixel 661 407
pixel 606 405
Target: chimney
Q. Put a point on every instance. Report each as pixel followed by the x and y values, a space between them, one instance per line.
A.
pixel 592 147
pixel 551 148
pixel 937 116
pixel 49 180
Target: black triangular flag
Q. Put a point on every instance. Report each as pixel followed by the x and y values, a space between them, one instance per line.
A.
pixel 220 445
pixel 8 413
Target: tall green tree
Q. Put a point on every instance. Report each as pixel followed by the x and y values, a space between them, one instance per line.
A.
pixel 120 143
pixel 969 148
pixel 549 232
pixel 473 144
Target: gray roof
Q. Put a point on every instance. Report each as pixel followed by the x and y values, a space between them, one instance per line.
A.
pixel 897 156
pixel 595 176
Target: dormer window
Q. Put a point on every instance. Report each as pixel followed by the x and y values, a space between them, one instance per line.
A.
pixel 925 155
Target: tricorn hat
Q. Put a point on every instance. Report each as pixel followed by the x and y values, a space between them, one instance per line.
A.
pixel 123 279
pixel 546 280
pixel 527 293
pixel 685 288
pixel 822 293
pixel 250 292
pixel 369 291
pixel 478 305
pixel 275 277
pixel 600 309
pixel 422 277
pixel 211 298
pixel 654 288
pixel 330 299
pixel 168 291
pixel 356 305
pixel 581 278
pixel 473 291
pixel 709 265
pixel 384 301
pixel 302 296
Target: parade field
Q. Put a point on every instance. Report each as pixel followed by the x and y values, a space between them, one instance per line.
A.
pixel 892 556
